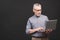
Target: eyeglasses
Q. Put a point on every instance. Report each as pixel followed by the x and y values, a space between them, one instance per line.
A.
pixel 37 10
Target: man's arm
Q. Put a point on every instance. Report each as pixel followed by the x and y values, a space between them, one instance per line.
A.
pixel 28 28
pixel 36 30
pixel 33 30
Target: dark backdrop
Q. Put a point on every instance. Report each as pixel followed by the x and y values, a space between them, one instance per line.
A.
pixel 15 13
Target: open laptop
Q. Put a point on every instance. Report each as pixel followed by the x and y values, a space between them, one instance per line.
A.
pixel 51 24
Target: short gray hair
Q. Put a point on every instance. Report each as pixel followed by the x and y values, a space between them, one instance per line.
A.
pixel 36 4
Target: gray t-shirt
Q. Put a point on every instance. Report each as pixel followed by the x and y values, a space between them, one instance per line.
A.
pixel 35 22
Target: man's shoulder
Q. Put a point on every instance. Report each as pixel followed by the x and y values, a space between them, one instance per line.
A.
pixel 31 17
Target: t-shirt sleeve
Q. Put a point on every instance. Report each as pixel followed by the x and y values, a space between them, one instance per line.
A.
pixel 28 26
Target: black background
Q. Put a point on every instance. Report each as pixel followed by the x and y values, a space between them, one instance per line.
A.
pixel 15 13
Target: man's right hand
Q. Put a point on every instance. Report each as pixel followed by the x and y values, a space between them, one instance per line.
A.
pixel 39 29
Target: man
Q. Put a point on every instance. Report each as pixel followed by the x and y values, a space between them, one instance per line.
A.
pixel 36 24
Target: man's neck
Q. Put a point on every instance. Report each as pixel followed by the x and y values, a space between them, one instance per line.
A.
pixel 37 16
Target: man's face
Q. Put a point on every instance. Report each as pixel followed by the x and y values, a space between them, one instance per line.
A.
pixel 37 10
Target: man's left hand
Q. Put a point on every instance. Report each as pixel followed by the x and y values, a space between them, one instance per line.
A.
pixel 48 30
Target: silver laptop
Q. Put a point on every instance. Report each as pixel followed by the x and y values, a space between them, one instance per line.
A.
pixel 51 24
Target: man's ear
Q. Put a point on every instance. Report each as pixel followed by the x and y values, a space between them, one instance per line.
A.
pixel 33 10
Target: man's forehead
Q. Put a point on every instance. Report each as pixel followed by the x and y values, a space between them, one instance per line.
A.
pixel 37 7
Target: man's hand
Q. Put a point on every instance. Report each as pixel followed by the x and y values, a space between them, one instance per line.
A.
pixel 41 29
pixel 48 31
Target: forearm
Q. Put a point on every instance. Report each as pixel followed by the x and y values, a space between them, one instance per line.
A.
pixel 32 31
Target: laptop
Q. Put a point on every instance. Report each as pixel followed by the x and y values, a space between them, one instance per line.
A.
pixel 51 24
